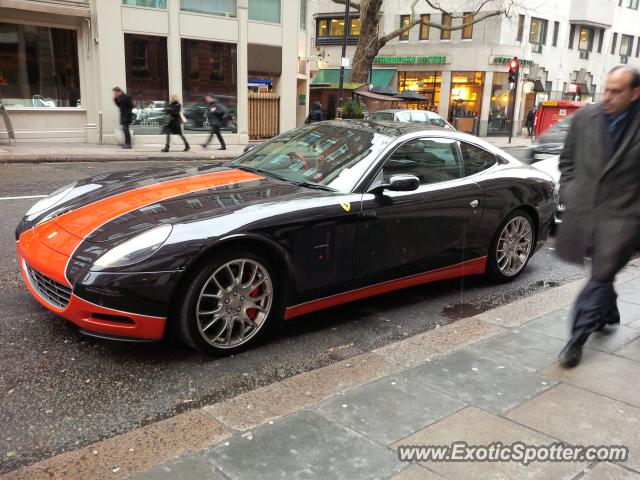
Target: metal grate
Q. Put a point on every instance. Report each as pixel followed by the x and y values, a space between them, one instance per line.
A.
pixel 53 292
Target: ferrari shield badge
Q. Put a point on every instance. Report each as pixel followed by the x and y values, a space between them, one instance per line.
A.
pixel 346 206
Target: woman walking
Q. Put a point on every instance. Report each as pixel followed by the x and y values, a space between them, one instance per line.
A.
pixel 173 125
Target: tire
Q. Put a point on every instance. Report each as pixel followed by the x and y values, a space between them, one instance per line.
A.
pixel 514 233
pixel 224 309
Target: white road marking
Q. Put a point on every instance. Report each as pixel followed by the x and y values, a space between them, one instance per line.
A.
pixel 23 197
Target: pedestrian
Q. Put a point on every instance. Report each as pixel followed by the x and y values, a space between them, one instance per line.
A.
pixel 174 123
pixel 215 116
pixel 125 105
pixel 315 115
pixel 531 119
pixel 600 187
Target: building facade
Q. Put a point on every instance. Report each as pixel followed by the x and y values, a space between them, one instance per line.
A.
pixel 565 48
pixel 60 59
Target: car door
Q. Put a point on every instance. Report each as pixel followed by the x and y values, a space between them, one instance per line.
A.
pixel 405 233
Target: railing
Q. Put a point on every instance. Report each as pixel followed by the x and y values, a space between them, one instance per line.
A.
pixel 624 58
pixel 62 3
pixel 264 115
pixel 584 54
pixel 536 48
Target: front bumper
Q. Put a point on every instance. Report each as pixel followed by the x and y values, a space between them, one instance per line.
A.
pixel 51 288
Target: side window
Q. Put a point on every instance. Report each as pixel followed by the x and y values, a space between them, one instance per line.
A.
pixel 418 116
pixel 436 120
pixel 432 160
pixel 476 159
pixel 404 116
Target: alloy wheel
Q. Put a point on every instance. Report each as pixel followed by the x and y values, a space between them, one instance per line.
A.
pixel 514 246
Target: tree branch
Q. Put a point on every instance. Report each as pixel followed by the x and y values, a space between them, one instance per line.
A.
pixel 396 33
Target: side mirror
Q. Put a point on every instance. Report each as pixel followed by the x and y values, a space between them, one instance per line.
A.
pixel 399 183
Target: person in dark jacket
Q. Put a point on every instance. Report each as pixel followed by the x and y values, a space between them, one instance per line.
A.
pixel 315 115
pixel 125 105
pixel 173 125
pixel 215 116
pixel 600 187
pixel 531 119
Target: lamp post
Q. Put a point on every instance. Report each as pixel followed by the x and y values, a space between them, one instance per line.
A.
pixel 344 54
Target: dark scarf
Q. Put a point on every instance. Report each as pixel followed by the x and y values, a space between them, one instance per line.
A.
pixel 615 136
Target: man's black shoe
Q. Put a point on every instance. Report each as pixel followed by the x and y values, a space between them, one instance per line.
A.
pixel 571 354
pixel 127 147
pixel 222 148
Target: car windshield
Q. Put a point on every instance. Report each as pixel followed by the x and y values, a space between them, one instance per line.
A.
pixel 324 155
pixel 561 126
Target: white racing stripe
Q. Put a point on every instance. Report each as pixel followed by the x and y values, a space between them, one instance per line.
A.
pixel 23 197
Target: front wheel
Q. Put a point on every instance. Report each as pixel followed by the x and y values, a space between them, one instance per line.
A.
pixel 229 304
pixel 511 247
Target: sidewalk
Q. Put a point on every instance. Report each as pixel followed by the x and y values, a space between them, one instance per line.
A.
pixel 87 152
pixel 492 377
pixel 503 142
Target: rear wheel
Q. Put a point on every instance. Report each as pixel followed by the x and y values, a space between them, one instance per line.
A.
pixel 229 304
pixel 511 247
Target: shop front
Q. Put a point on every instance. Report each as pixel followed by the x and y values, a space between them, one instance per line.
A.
pixel 465 100
pixel 501 105
pixel 424 83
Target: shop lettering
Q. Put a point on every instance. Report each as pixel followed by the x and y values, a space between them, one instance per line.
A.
pixel 506 60
pixel 409 60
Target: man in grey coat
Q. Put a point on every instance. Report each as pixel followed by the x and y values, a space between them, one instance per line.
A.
pixel 600 187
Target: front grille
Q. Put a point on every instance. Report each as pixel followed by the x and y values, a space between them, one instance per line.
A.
pixel 53 292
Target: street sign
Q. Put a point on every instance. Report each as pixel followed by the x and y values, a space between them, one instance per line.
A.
pixel 345 62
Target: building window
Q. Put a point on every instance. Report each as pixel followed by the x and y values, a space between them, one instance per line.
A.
pixel 329 31
pixel 538 31
pixel 614 41
pixel 500 105
pixel 303 14
pixel 424 27
pixel 633 4
pixel 572 35
pixel 445 34
pixel 38 66
pixel 422 82
pixel 146 3
pixel 354 28
pixel 146 65
pixel 556 28
pixel 520 28
pixel 467 31
pixel 404 21
pixel 600 40
pixel 585 44
pixel 225 8
pixel 638 48
pixel 208 67
pixel 264 10
pixel 626 45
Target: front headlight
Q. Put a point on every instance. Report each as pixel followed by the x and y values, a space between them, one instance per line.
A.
pixel 51 200
pixel 136 249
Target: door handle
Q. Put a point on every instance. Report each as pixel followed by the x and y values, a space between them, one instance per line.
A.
pixel 474 203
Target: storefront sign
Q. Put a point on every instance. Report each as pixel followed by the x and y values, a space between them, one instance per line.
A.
pixel 506 60
pixel 410 60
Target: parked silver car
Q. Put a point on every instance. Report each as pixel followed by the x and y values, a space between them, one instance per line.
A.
pixel 424 117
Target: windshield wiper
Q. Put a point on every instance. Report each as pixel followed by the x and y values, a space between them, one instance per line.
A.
pixel 317 186
pixel 269 173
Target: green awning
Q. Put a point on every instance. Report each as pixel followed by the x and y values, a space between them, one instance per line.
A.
pixel 330 78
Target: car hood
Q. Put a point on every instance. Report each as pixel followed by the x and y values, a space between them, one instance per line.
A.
pixel 114 206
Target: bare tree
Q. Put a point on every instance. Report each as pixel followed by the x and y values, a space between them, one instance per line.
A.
pixel 371 40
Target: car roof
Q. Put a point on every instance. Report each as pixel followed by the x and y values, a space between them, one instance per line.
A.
pixel 400 110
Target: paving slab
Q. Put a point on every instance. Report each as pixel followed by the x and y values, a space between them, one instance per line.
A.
pixel 476 379
pixel 417 472
pixel 581 417
pixel 557 325
pixel 417 349
pixel 630 351
pixel 629 312
pixel 304 446
pixel 605 374
pixel 187 468
pixel 389 409
pixel 477 427
pixel 527 349
pixel 609 471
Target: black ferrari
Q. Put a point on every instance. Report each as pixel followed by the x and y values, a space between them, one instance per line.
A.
pixel 316 217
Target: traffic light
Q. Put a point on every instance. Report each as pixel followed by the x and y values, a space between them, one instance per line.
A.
pixel 514 66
